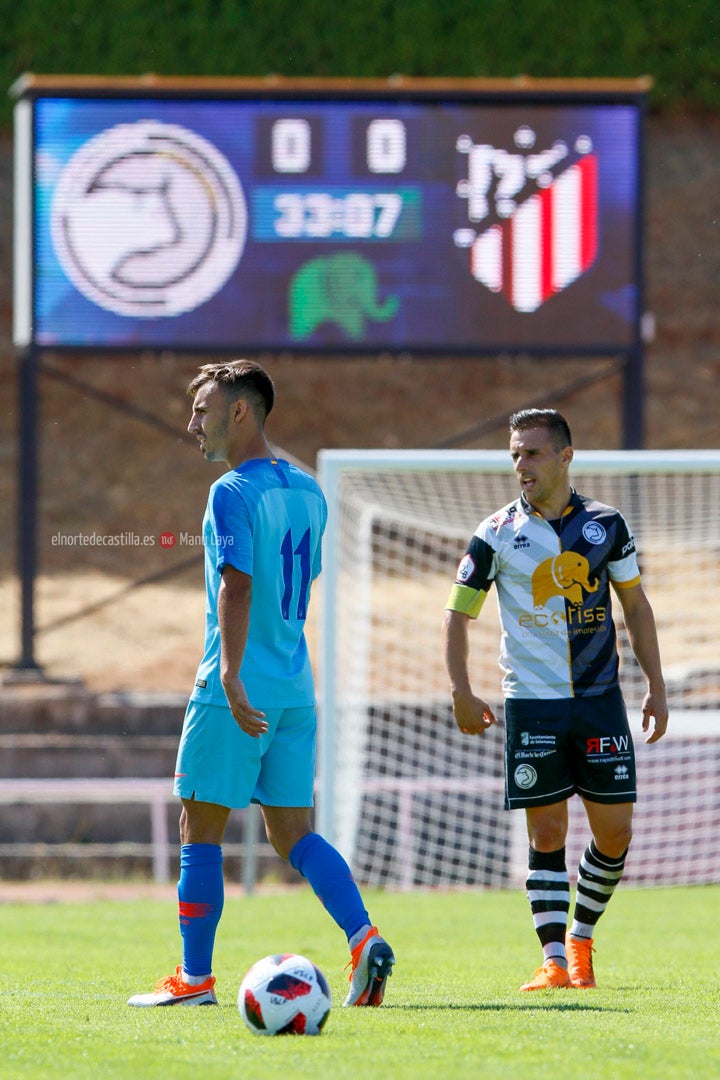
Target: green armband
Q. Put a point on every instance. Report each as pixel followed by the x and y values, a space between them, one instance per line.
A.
pixel 466 600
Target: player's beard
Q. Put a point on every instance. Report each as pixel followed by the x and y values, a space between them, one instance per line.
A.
pixel 215 445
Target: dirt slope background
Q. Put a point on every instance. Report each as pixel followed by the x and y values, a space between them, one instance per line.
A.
pixel 105 472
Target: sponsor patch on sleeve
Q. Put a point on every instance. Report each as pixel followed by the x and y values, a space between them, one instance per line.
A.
pixel 465 570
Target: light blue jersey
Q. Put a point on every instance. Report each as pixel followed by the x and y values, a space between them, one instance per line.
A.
pixel 266 519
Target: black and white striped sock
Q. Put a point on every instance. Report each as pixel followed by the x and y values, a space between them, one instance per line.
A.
pixel 598 877
pixel 548 890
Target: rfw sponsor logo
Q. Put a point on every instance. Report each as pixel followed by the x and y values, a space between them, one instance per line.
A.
pixel 607 744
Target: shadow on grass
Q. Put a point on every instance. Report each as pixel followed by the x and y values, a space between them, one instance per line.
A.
pixel 524 1007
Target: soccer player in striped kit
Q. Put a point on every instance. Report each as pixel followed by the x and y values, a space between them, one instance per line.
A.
pixel 553 555
pixel 249 729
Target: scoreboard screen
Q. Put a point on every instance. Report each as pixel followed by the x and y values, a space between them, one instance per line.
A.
pixel 314 221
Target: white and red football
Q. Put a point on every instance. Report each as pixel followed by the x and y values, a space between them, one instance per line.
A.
pixel 284 995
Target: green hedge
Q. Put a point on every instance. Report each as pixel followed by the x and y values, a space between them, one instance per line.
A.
pixel 675 41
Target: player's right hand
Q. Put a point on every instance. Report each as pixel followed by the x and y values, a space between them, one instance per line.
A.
pixel 250 720
pixel 472 715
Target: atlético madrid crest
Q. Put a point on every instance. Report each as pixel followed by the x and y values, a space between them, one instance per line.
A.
pixel 533 216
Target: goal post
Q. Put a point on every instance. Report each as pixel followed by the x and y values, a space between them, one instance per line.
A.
pixel 408 799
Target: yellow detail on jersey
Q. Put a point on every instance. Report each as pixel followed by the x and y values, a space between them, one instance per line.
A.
pixel 468 601
pixel 626 584
pixel 564 575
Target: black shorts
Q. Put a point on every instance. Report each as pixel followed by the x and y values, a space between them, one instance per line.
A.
pixel 556 748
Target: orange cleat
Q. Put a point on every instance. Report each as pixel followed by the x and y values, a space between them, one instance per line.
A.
pixel 173 990
pixel 580 965
pixel 372 962
pixel 549 977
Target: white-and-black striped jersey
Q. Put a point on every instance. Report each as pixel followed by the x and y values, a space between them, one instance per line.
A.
pixel 553 585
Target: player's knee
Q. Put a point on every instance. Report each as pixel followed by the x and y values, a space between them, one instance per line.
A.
pixel 623 840
pixel 283 832
pixel 615 841
pixel 276 841
pixel 548 836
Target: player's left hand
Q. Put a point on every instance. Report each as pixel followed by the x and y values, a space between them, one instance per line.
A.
pixel 654 707
pixel 250 720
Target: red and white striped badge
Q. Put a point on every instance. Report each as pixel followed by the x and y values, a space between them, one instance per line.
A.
pixel 549 241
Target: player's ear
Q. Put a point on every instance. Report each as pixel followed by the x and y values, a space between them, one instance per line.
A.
pixel 239 410
pixel 567 453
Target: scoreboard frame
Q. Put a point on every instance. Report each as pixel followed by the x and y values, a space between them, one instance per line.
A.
pixel 416 292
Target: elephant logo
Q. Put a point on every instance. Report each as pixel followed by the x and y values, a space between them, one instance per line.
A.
pixel 338 288
pixel 564 575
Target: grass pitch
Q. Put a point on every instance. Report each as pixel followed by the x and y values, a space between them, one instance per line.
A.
pixel 452 1007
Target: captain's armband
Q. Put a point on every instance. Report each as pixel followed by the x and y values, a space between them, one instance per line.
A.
pixel 466 600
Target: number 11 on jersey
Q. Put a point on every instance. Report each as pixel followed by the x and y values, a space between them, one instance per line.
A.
pixel 288 555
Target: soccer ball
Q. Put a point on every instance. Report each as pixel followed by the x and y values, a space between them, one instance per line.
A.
pixel 284 995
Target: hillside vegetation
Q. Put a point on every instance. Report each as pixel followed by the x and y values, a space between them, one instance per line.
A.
pixel 674 41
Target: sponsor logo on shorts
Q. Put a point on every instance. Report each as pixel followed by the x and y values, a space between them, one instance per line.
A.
pixel 622 772
pixel 525 776
pixel 608 744
pixel 526 739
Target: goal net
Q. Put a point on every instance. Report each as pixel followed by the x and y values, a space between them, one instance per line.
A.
pixel 408 799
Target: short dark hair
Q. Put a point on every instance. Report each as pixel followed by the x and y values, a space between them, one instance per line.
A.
pixel 555 422
pixel 239 378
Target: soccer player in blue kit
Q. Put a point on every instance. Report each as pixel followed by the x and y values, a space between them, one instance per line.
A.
pixel 249 729
pixel 553 555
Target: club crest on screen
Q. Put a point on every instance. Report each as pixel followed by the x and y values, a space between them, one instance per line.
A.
pixel 533 216
pixel 148 219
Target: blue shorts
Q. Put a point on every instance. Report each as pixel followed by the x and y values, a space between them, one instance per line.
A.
pixel 218 763
pixel 558 747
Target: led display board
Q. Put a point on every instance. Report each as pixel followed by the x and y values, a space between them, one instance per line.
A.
pixel 310 217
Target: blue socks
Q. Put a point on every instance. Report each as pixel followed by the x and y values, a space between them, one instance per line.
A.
pixel 201 893
pixel 331 880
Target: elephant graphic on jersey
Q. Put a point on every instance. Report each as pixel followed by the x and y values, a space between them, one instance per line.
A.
pixel 564 575
pixel 339 288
